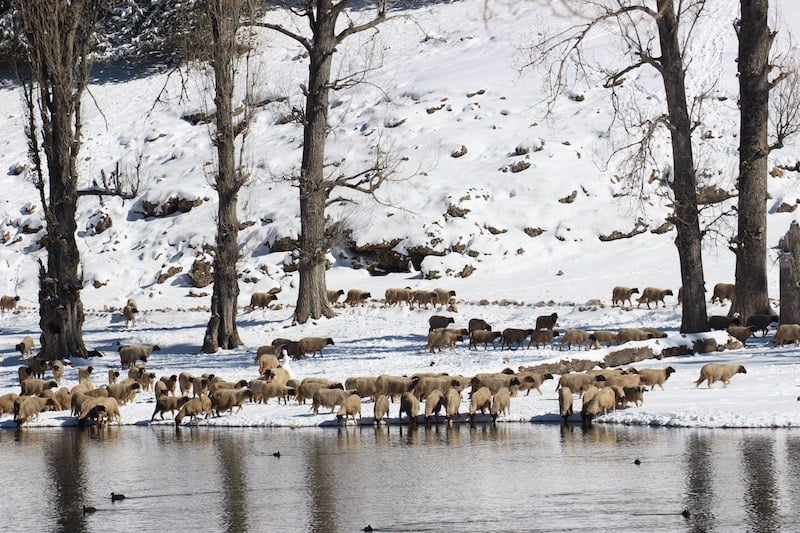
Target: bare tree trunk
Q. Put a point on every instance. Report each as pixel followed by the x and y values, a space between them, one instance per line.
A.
pixel 221 331
pixel 311 299
pixel 750 244
pixel 789 262
pixel 684 186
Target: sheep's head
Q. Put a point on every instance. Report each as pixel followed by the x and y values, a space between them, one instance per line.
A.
pixel 741 370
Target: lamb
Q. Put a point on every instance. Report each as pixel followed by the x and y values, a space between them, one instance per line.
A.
pixel 787 333
pixel 226 399
pixel 439 321
pixel 313 345
pixel 307 388
pixel 633 334
pixel 423 297
pixel 720 322
pixel 483 336
pixel 129 314
pixel 123 392
pixel 546 321
pixel 266 362
pixel 513 336
pixel 565 403
pixel 168 403
pixel 723 291
pixel 740 333
pixel 24 372
pixel 481 401
pixel 392 386
pixel 761 322
pixel 603 401
pixel 439 338
pixel 350 407
pixel 365 386
pixel 410 406
pixel 654 295
pixel 328 398
pixel 452 404
pixel 576 337
pixel 655 376
pixel 381 409
pixel 128 355
pixel 26 346
pixel 333 296
pixel 397 296
pixel 604 337
pixel 193 408
pixel 140 375
pixel 85 374
pixel 712 372
pixel 532 380
pixel 434 403
pixel 264 391
pixel 444 296
pixel 58 370
pixel 476 324
pixel 357 297
pixel 261 299
pixel 543 337
pixel 113 375
pixel 30 407
pixel 169 383
pixel 501 403
pixel 620 294
pixel 33 386
pixel 634 395
pixel 7 402
pixel 8 303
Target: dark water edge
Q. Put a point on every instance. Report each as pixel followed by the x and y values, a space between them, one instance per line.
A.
pixel 512 477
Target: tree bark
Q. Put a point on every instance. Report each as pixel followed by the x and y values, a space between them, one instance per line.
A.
pixel 221 331
pixel 750 244
pixel 312 301
pixel 789 264
pixel 684 185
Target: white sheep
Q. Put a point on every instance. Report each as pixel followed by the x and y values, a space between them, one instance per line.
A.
pixel 307 388
pixel 128 355
pixel 655 376
pixel 787 333
pixel 129 314
pixel 58 370
pixel 410 406
pixel 620 294
pixel 113 375
pixel 577 337
pixel 364 385
pixel 434 402
pixel 29 408
pixel 356 297
pixel 333 296
pixel 442 337
pixel 123 392
pixel 653 295
pixel 396 296
pixel 33 386
pixel 26 346
pixel 350 407
pixel 169 382
pixel 481 401
pixel 328 398
pixel 444 296
pixel 712 372
pixel 227 399
pixel 452 404
pixel 565 403
pixel 392 386
pixel 381 409
pixel 423 297
pixel 277 375
pixel 501 403
pixel 264 391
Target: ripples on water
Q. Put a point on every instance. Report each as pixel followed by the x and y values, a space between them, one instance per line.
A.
pixel 509 478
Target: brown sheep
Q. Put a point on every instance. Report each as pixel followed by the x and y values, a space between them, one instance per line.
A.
pixel 357 297
pixel 381 409
pixel 546 321
pixel 444 296
pixel 478 324
pixel 633 334
pixel 712 372
pixel 227 399
pixel 7 402
pixel 604 337
pixel 123 392
pixel 514 336
pixel 787 333
pixel 410 406
pixel 8 303
pixel 30 407
pixel 543 337
pixel 439 321
pixel 328 398
pixel 576 382
pixel 169 382
pixel 307 388
pixel 723 291
pixel 396 296
pixel 264 391
pixel 113 375
pixel 58 370
pixel 577 337
pixel 501 403
pixel 312 345
pixel 261 299
pixel 532 380
pixel 365 386
pixel 128 355
pixel 653 295
pixel 423 297
pixel 655 376
pixel 393 386
pixel 266 362
pixel 33 386
pixel 193 408
pixel 168 403
pixel 634 395
pixel 333 296
pixel 439 338
pixel 740 333
pixel 620 294
pixel 603 401
pixel 565 403
pixel 350 407
pixel 26 346
pixel 494 382
pixel 483 336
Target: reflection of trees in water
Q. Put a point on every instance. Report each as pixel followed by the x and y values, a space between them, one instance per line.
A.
pixel 322 485
pixel 66 468
pixel 761 492
pixel 793 472
pixel 230 453
pixel 700 490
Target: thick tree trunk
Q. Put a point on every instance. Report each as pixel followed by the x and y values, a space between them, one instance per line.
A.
pixel 789 263
pixel 684 185
pixel 312 299
pixel 750 244
pixel 221 331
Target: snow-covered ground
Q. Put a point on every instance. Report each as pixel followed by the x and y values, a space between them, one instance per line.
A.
pixel 440 85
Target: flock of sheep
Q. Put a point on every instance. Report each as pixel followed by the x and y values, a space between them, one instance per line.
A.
pixel 186 396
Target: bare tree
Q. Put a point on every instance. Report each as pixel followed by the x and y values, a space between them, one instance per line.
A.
pixel 223 17
pixel 315 181
pixel 755 85
pixel 57 38
pixel 656 38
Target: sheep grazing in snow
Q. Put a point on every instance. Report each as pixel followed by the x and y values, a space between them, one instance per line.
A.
pixel 328 398
pixel 740 333
pixel 514 336
pixel 392 386
pixel 501 403
pixel 261 299
pixel 357 297
pixel 476 324
pixel 439 338
pixel 333 296
pixel 264 391
pixel 113 375
pixel 620 294
pixel 313 345
pixel 543 337
pixel 633 334
pixel 532 380
pixel 8 303
pixel 29 408
pixel 546 321
pixel 128 355
pixel 123 392
pixel 26 346
pixel 604 337
pixel 761 322
pixel 365 386
pixel 7 402
pixel 565 403
pixel 396 296
pixel 439 321
pixel 485 337
pixel 712 372
pixel 787 333
pixel 381 409
pixel 655 376
pixel 653 295
pixel 722 292
pixel 481 401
